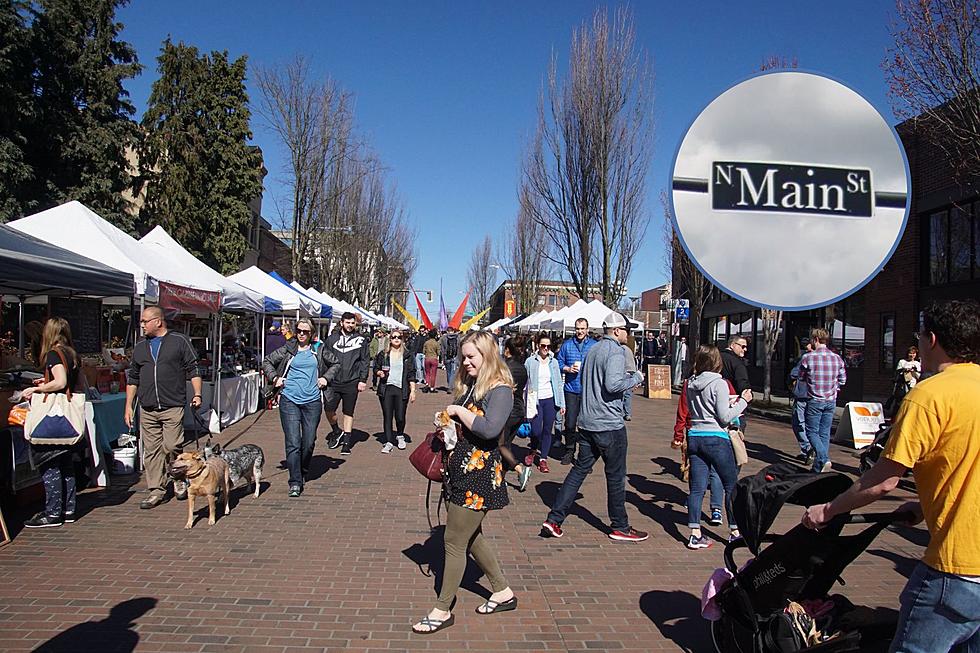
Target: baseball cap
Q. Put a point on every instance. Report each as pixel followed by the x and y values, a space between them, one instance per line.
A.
pixel 614 320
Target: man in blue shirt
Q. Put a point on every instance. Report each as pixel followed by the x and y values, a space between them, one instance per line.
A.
pixel 570 359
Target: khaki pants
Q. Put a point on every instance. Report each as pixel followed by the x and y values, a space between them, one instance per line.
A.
pixel 162 432
pixel 464 531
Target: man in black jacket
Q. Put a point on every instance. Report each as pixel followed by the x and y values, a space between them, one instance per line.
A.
pixel 162 363
pixel 734 367
pixel 351 350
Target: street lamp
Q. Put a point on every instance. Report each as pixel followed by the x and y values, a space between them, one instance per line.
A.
pixel 634 300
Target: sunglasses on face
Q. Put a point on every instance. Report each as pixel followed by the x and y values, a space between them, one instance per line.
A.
pixel 396 337
pixel 544 346
pixel 306 331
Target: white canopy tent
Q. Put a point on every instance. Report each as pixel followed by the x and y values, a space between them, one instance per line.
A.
pixel 75 227
pixel 286 299
pixel 234 296
pixel 595 312
pixel 565 318
pixel 496 325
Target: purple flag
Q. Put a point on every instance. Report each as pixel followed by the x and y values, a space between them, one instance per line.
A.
pixel 443 317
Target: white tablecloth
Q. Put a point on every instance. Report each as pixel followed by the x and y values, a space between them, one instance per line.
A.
pixel 239 397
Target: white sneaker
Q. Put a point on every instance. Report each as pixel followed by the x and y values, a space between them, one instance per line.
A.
pixel 401 441
pixel 827 466
pixel 387 448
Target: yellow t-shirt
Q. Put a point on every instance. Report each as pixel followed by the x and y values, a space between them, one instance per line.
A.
pixel 937 435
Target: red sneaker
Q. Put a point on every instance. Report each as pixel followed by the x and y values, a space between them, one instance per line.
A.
pixel 631 535
pixel 543 467
pixel 531 459
pixel 552 528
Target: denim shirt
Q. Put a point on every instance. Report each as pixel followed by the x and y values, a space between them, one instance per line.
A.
pixel 532 365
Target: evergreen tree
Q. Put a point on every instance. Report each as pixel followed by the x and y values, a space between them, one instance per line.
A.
pixel 15 107
pixel 82 130
pixel 197 168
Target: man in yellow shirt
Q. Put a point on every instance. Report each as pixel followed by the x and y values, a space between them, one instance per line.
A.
pixel 936 435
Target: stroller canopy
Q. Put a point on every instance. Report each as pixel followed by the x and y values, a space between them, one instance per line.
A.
pixel 759 498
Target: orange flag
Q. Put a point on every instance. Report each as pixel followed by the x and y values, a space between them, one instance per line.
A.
pixel 458 315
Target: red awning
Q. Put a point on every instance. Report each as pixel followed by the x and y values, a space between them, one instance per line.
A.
pixel 188 300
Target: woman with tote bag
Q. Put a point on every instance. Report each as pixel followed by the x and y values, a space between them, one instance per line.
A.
pixel 55 425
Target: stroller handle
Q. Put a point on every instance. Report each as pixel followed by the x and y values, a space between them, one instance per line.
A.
pixel 881 517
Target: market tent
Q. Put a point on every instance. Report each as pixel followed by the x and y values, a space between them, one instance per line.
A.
pixel 530 320
pixel 233 295
pixel 324 310
pixel 283 298
pixel 565 318
pixel 595 312
pixel 78 229
pixel 337 306
pixel 29 266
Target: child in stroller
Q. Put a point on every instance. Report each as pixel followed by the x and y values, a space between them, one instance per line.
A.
pixel 778 602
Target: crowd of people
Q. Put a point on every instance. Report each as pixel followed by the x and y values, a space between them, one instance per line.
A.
pixel 508 386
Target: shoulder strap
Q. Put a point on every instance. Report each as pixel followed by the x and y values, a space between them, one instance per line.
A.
pixel 64 362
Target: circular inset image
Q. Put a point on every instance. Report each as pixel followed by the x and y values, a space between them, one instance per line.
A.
pixel 790 191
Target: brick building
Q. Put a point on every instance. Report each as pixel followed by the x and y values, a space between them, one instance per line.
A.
pixel 551 296
pixel 938 258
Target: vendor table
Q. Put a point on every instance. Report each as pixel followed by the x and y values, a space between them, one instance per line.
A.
pixel 107 419
pixel 239 397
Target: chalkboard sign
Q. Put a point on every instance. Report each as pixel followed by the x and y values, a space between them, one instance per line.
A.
pixel 658 381
pixel 84 316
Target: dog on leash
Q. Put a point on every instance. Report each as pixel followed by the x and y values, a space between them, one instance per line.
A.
pixel 204 477
pixel 244 463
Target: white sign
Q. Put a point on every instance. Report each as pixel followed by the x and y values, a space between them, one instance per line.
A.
pixel 859 424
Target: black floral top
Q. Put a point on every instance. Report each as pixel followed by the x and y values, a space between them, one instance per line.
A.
pixel 476 472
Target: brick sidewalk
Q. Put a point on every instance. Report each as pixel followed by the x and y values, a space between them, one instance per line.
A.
pixel 347 566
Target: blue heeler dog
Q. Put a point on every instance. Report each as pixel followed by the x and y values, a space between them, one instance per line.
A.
pixel 245 462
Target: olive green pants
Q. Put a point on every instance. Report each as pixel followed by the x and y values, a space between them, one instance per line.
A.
pixel 464 531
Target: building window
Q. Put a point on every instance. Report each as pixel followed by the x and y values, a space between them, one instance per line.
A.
pixel 540 300
pixel 552 300
pixel 938 248
pixel 960 244
pixel 887 356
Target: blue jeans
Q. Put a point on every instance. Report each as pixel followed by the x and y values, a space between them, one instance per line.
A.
pixel 706 452
pixel 611 447
pixel 419 368
pixel 819 415
pixel 628 404
pixel 543 426
pixel 450 373
pixel 716 491
pixel 299 423
pixel 799 424
pixel 940 613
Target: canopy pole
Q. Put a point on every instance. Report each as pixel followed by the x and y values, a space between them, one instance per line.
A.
pixel 262 340
pixel 20 326
pixel 217 383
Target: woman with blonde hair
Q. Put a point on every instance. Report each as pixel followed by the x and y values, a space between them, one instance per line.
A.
pixel 483 402
pixel 709 444
pixel 56 462
pixel 394 368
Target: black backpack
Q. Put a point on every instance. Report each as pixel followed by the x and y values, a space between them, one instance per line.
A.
pixel 452 345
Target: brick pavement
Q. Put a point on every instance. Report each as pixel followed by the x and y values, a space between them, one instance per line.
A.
pixel 349 565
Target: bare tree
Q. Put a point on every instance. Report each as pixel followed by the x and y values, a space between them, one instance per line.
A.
pixel 523 257
pixel 933 71
pixel 481 275
pixel 350 233
pixel 589 157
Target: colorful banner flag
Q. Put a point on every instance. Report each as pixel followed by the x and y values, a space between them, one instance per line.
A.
pixel 473 320
pixel 412 322
pixel 425 318
pixel 458 315
pixel 443 318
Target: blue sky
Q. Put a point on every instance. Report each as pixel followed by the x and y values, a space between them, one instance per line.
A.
pixel 446 91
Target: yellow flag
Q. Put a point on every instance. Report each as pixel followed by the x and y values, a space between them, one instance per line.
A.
pixel 465 326
pixel 408 316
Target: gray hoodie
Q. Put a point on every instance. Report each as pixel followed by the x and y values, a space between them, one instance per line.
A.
pixel 708 403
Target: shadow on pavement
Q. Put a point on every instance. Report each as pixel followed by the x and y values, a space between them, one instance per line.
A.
pixel 668 466
pixel 430 556
pixel 320 465
pixel 548 491
pixel 678 617
pixel 113 634
pixel 903 565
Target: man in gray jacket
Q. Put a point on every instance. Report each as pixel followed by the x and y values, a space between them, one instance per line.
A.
pixel 604 383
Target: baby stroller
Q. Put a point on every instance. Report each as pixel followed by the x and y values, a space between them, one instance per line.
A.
pixel 800 566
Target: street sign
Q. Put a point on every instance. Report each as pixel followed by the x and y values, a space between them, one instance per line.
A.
pixel 683 314
pixel 683 303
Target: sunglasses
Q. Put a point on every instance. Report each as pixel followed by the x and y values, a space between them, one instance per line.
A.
pixel 396 337
pixel 148 321
pixel 306 331
pixel 544 346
